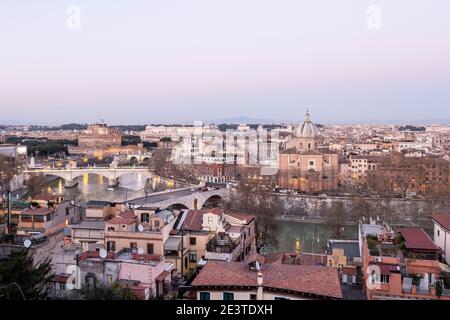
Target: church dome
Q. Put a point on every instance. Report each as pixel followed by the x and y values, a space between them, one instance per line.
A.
pixel 307 129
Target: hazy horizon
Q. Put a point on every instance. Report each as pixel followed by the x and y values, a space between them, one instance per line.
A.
pixel 141 62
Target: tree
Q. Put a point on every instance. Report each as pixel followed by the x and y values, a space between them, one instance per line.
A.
pixel 439 289
pixel 254 200
pixel 20 279
pixel 35 184
pixel 102 292
pixel 335 218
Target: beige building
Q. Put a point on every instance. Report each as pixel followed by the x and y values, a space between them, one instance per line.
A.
pixel 100 136
pixel 210 234
pixel 145 230
pixel 305 167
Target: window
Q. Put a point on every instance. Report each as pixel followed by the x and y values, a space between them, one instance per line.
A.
pixel 205 296
pixel 192 257
pixel 192 241
pixel 133 245
pixel 228 296
pixel 280 298
pixel 252 296
pixel 145 217
pixel 156 223
pixel 311 163
pixel 384 279
pixel 210 220
pixel 62 286
pixel 111 229
pixel 438 233
pixel 185 262
pixel 109 280
pixel 111 246
pixel 150 248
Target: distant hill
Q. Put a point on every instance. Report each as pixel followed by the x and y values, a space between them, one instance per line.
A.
pixel 246 120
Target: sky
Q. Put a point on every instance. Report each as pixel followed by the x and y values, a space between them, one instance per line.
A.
pixel 178 61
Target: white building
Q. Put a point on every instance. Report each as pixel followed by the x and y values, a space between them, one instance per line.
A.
pixel 442 234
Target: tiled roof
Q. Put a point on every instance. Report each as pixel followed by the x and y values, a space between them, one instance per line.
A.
pixel 120 220
pixel 443 219
pixel 127 214
pixel 320 281
pixel 46 197
pixel 193 221
pixel 38 211
pixel 146 257
pixel 416 238
pixel 243 216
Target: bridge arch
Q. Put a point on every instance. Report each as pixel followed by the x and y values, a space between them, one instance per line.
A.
pixel 134 159
pixel 213 201
pixel 178 206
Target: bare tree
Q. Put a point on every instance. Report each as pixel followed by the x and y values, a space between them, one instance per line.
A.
pixel 335 218
pixel 265 206
pixel 35 184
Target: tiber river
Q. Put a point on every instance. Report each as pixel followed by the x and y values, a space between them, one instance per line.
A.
pixel 311 237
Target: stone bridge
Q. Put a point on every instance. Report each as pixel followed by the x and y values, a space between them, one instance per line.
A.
pixel 139 157
pixel 70 174
pixel 186 198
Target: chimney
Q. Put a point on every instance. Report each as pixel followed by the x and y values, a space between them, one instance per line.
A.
pixel 260 293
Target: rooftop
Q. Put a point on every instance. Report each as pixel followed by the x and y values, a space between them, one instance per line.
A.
pixel 98 225
pixel 98 204
pixel 322 282
pixel 417 239
pixel 443 219
pixel 350 247
pixel 38 211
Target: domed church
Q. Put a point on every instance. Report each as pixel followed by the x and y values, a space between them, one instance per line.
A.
pixel 303 165
pixel 306 135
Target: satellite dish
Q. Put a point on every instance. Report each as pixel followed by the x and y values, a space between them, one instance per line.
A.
pixel 103 253
pixel 27 243
pixel 140 251
pixel 140 228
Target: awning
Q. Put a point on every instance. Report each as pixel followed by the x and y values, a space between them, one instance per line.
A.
pixel 173 244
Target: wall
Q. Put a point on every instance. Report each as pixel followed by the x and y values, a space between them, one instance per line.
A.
pixel 442 241
pixel 245 295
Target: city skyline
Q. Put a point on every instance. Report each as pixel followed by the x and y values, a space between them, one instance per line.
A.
pixel 147 62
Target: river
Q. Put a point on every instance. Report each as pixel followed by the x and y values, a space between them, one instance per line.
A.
pixel 313 237
pixel 94 187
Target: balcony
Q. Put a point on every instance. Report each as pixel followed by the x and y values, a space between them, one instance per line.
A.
pixel 221 244
pixel 223 248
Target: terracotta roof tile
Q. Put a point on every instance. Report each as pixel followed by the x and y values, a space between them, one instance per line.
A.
pixel 316 280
